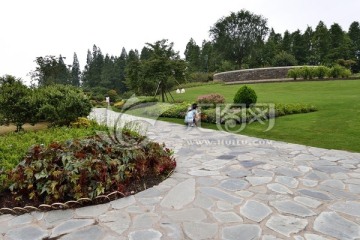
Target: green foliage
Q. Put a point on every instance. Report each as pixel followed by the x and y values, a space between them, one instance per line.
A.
pixel 284 59
pixel 87 168
pixel 51 70
pixel 196 84
pixel 213 99
pixel 321 71
pixel 82 122
pixel 245 95
pixel 13 146
pixel 294 73
pixel 338 71
pixel 237 35
pixel 307 72
pixel 199 77
pixel 113 95
pixel 16 102
pixel 61 104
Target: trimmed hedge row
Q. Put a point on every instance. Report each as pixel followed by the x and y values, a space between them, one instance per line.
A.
pixel 319 72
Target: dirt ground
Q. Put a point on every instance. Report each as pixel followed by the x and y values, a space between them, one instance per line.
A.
pixel 27 127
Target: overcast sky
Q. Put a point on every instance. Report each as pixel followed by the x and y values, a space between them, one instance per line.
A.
pixel 32 28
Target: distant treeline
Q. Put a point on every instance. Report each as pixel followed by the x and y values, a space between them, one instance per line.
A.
pixel 238 41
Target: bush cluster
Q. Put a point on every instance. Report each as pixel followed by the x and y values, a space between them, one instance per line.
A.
pixel 319 72
pixel 245 95
pixel 211 99
pixel 200 77
pixel 87 168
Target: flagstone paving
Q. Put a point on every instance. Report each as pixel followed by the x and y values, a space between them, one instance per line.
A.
pixel 225 186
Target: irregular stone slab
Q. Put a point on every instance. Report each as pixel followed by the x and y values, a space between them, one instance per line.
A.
pixel 227 217
pixel 309 183
pixel 203 173
pixel 318 176
pixel 27 233
pixel 288 172
pixel 118 220
pixel 353 181
pixel 304 169
pixel 70 225
pixel 331 169
pixel 305 157
pixel 243 232
pixel 340 176
pixel 341 194
pixel 234 184
pixel 250 164
pixel 354 188
pixel 332 224
pixel 172 230
pixel 226 157
pixel 315 194
pixel 220 195
pixel 196 230
pixel 22 219
pixel 349 207
pixel 181 195
pixel 309 202
pixel 123 202
pixel 314 237
pixel 224 206
pixel 255 211
pixel 271 237
pixel 255 181
pixel 244 194
pixel 262 173
pixel 149 193
pixel 92 232
pixel 277 187
pixel 323 163
pixel 203 201
pixel 286 225
pixel 333 183
pixel 92 211
pixel 287 181
pixel 54 217
pixel 206 181
pixel 146 220
pixel 188 214
pixel 149 234
pixel 238 173
pixel 291 207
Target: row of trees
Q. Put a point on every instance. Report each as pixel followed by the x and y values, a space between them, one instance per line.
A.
pixel 240 40
pixel 57 104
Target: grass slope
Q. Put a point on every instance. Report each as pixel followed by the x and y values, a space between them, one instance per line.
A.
pixel 336 124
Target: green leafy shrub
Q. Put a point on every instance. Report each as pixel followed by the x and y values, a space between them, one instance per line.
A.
pixel 294 73
pixel 307 72
pixel 82 122
pixel 112 94
pixel 321 71
pixel 200 77
pixel 87 168
pixel 119 104
pixel 339 71
pixel 195 84
pixel 284 59
pixel 62 104
pixel 176 110
pixel 245 95
pixel 213 99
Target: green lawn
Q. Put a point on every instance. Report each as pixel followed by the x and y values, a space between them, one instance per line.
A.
pixel 336 124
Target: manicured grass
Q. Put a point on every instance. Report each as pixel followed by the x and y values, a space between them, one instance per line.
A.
pixel 336 124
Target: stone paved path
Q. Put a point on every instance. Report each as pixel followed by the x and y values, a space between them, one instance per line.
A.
pixel 225 187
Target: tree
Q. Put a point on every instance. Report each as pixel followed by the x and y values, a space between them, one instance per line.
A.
pixel 340 43
pixel 15 102
pixel 298 47
pixel 120 65
pixel 132 71
pixel 284 59
pixel 271 47
pixel 192 56
pixel 354 35
pixel 237 35
pixel 321 44
pixel 75 72
pixel 286 42
pixel 163 68
pixel 50 70
pixel 308 46
pixel 93 68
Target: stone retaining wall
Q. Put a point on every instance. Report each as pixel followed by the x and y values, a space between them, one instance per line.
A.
pixel 253 74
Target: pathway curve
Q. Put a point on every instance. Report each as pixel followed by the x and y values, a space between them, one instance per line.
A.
pixel 225 187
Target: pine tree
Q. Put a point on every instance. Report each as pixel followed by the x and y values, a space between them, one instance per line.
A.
pixel 354 35
pixel 75 72
pixel 321 44
pixel 192 56
pixel 286 42
pixel 298 47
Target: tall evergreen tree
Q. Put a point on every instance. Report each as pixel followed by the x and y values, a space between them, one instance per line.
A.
pixel 321 44
pixel 120 65
pixel 298 47
pixel 308 46
pixel 271 47
pixel 133 71
pixel 145 53
pixel 75 71
pixel 286 42
pixel 338 43
pixel 354 35
pixel 192 56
